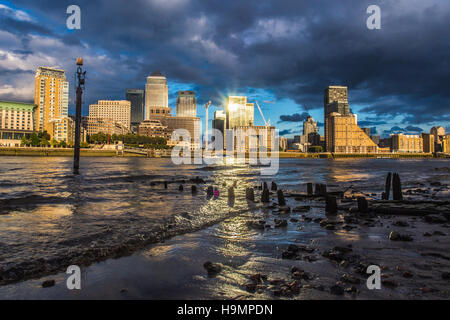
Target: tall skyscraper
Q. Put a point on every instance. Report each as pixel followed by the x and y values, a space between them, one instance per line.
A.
pixel 309 126
pixel 218 122
pixel 191 124
pixel 311 132
pixel 186 104
pixel 156 97
pixel 335 100
pixel 239 113
pixel 438 133
pixel 136 97
pixel 51 97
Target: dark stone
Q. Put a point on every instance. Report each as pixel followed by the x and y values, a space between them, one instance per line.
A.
pixel 407 274
pixel 250 287
pixel 257 278
pixel 397 187
pixel 258 224
pixel 265 196
pixel 347 278
pixel 395 236
pixel 281 200
pixel 48 283
pixel 280 223
pixel 287 254
pixel 212 268
pixel 284 210
pixel 400 223
pixel 343 249
pixel 309 188
pixel 389 283
pixel 331 205
pixel 352 290
pixel 165 184
pixel 301 209
pixel 337 290
pixel 363 205
pixel 274 186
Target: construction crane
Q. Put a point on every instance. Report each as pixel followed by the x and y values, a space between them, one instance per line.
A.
pixel 267 124
pixel 206 106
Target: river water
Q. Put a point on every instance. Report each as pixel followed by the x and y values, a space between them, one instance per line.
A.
pixel 50 219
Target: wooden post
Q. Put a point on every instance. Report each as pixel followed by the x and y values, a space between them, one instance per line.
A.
pixel 281 200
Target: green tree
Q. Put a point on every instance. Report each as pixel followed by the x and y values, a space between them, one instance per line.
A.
pixel 43 134
pixel 43 142
pixel 24 141
pixel 53 143
pixel 315 149
pixel 34 140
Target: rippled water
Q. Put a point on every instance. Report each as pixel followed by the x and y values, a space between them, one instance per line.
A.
pixel 48 216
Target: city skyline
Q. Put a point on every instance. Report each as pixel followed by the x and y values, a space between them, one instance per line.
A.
pixel 385 98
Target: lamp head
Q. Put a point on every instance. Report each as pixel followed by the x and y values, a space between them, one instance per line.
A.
pixel 79 61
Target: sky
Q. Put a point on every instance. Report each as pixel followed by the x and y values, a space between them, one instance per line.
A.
pixel 281 53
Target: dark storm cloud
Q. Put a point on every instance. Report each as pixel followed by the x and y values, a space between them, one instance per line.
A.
pixel 13 72
pixel 369 122
pixel 294 118
pixel 285 132
pixel 406 130
pixel 413 129
pixel 293 48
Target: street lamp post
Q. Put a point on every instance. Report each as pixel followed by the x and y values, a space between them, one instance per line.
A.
pixel 80 86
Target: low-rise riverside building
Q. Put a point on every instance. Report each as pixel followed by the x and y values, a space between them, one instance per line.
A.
pixel 407 143
pixel 17 115
pixel 345 136
pixel 154 129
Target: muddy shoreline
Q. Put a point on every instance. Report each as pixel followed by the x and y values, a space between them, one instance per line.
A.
pixel 96 219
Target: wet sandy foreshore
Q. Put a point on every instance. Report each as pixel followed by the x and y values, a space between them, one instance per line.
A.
pixel 268 253
pixel 134 238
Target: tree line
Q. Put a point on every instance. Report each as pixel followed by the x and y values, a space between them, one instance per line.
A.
pixel 130 139
pixel 42 139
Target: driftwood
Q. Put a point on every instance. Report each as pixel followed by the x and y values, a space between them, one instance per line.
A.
pixel 410 208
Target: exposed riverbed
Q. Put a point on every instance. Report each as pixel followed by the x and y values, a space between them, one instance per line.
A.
pixel 50 219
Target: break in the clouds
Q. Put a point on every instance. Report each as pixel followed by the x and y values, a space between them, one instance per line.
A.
pixel 291 50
